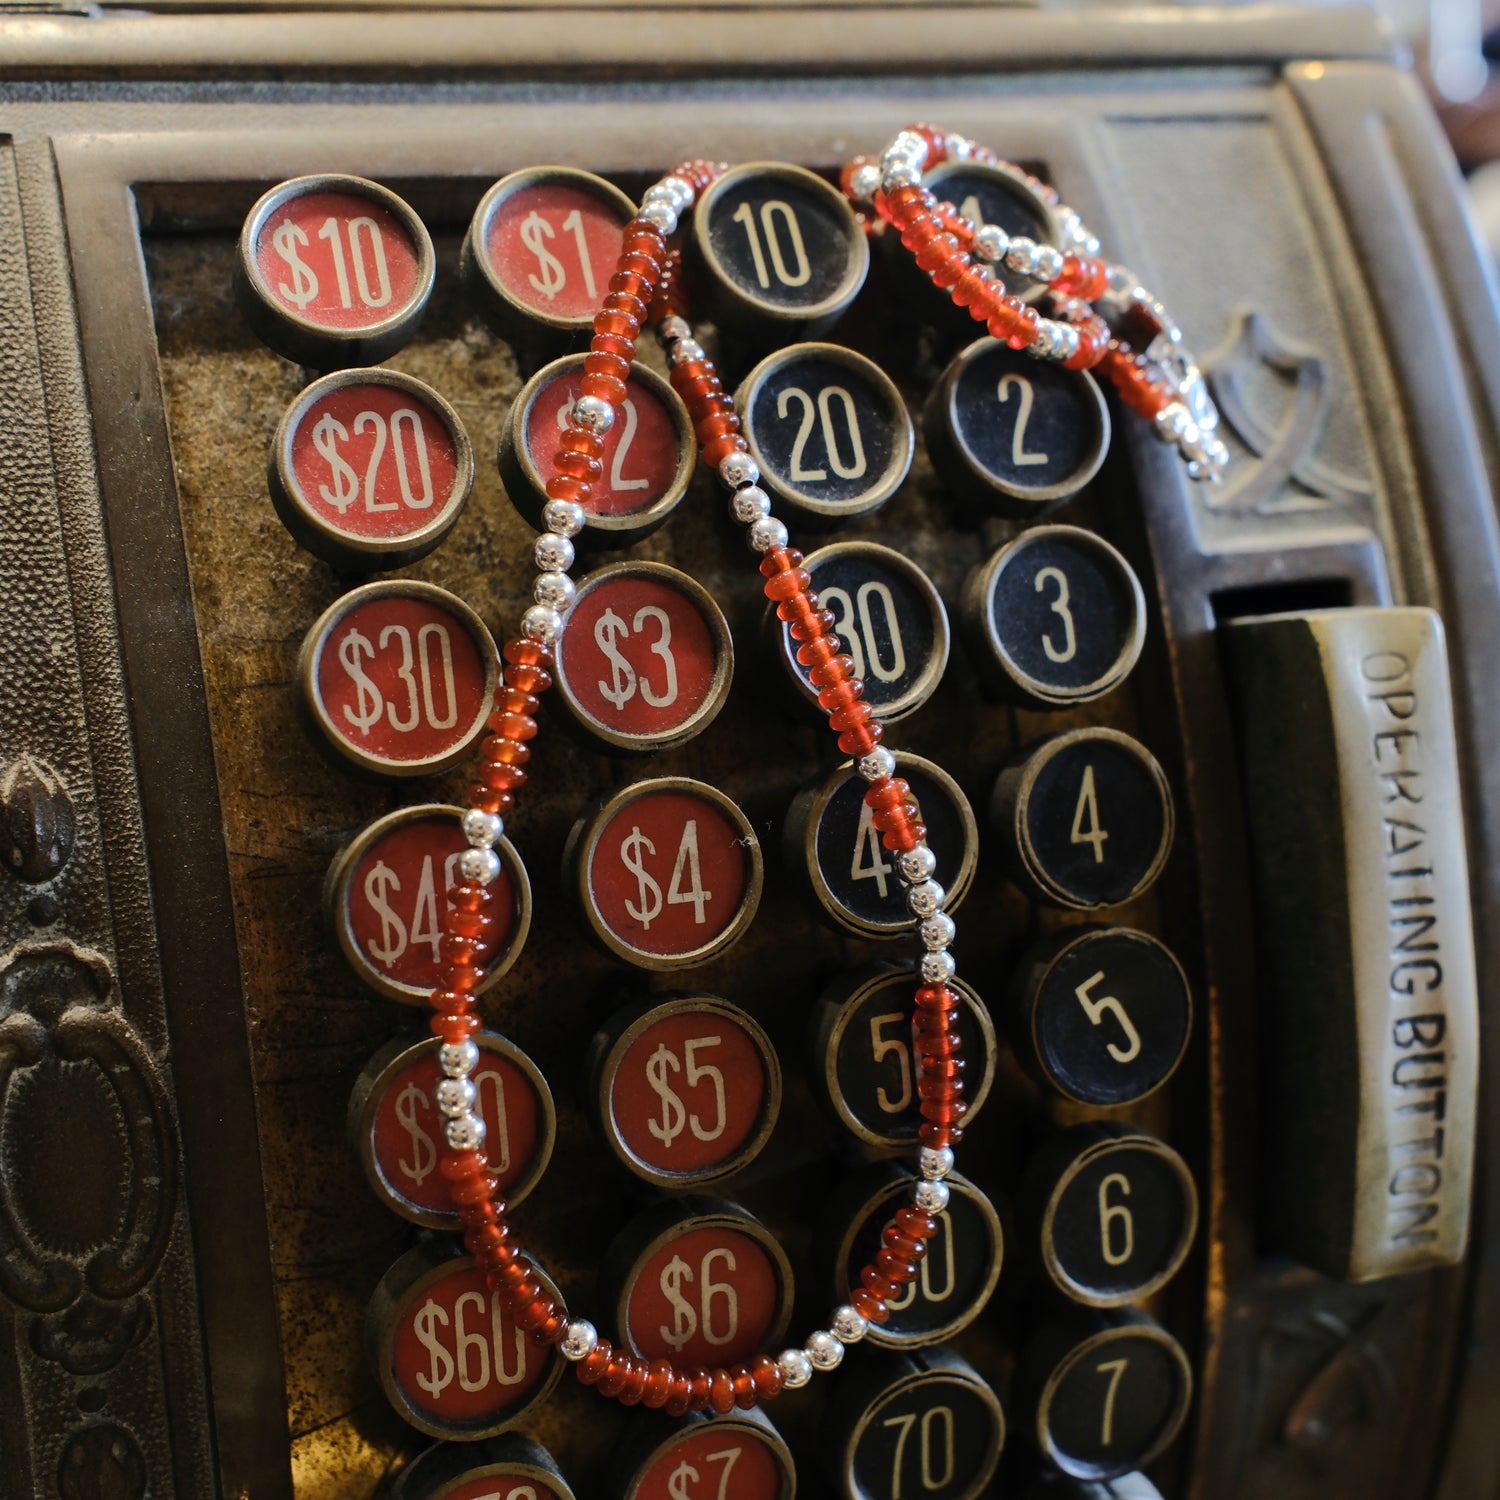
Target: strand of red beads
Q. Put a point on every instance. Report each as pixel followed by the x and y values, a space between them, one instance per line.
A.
pixel 646 275
pixel 1159 381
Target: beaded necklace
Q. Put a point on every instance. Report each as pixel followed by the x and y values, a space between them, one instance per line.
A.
pixel 1158 381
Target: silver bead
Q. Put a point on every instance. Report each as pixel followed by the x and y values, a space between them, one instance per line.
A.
pixel 565 517
pixel 796 1368
pixel 749 504
pixel 1049 262
pixel 686 349
pixel 580 1339
pixel 1021 257
pixel 458 1059
pixel 937 966
pixel 877 765
pixel 925 898
pixel 900 175
pixel 824 1350
pixel 480 865
pixel 681 190
pixel 466 1133
pixel 1172 421
pixel 592 413
pixel 553 553
pixel 671 328
pixel 454 1096
pixel 849 1325
pixel 937 931
pixel 659 192
pixel 663 215
pixel 1044 343
pixel 541 624
pixel 739 469
pixel 864 182
pixel 930 1195
pixel 991 241
pixel 553 590
pixel 935 1163
pixel 1067 341
pixel 766 533
pixel 917 864
pixel 908 147
pixel 481 828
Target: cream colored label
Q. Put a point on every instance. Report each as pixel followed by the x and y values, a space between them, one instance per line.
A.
pixel 1416 1004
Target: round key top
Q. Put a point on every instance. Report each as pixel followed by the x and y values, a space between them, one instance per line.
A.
pixel 382 899
pixel 919 1423
pixel 1102 1014
pixel 686 1091
pixel 447 1355
pixel 399 677
pixel 397 1128
pixel 1113 1212
pixel 778 248
pixel 740 1456
pixel 370 469
pixel 1104 1393
pixel 698 1282
pixel 990 194
pixel 334 271
pixel 1015 434
pixel 831 838
pixel 829 430
pixel 669 872
pixel 509 1467
pixel 540 251
pixel 647 659
pixel 649 452
pixel 862 1059
pixel 958 1272
pixel 1087 818
pixel 1055 618
pixel 888 615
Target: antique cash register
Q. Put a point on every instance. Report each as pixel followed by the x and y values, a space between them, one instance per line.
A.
pixel 323 414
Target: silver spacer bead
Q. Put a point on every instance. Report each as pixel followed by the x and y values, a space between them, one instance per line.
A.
pixel 937 966
pixel 671 328
pixel 1022 256
pixel 931 1195
pixel 937 931
pixel 900 175
pixel 1172 421
pixel 991 242
pixel 925 898
pixel 553 553
pixel 1067 341
pixel 1049 262
pixel 796 1368
pixel 917 864
pixel 824 1350
pixel 739 469
pixel 458 1059
pixel 877 765
pixel 908 147
pixel 481 865
pixel 935 1164
pixel 687 349
pixel 849 1324
pixel 466 1133
pixel 454 1097
pixel 541 624
pixel 481 828
pixel 766 533
pixel 565 517
pixel 682 191
pixel 749 504
pixel 592 413
pixel 553 590
pixel 864 182
pixel 663 215
pixel 580 1339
